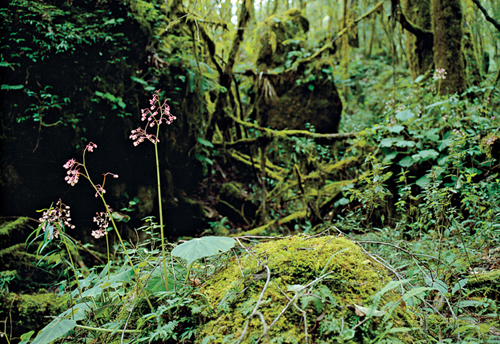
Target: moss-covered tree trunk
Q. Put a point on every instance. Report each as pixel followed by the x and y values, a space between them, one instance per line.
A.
pixel 447 21
pixel 419 47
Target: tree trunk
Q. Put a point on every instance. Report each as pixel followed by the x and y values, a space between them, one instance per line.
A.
pixel 447 21
pixel 419 47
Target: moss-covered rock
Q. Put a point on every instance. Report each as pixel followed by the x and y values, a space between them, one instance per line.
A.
pixel 31 312
pixel 291 97
pixel 338 280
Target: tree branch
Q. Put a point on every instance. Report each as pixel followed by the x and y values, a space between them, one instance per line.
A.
pixel 486 15
pixel 405 23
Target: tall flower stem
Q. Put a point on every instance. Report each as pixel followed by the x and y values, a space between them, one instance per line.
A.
pixel 155 115
pixel 126 253
pixel 63 238
pixel 165 273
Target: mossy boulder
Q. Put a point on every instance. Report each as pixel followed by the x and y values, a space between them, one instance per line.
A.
pixel 31 312
pixel 319 287
pixel 235 203
pixel 289 95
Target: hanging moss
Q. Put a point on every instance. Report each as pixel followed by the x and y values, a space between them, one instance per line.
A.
pixel 447 19
pixel 294 261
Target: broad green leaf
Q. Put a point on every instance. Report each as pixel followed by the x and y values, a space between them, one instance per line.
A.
pixel 155 283
pixel 423 181
pixel 55 330
pixel 459 285
pixel 405 115
pixel 428 154
pixel 404 143
pixel 390 156
pixel 387 142
pixel 396 128
pixel 432 134
pixel 202 247
pixel 406 162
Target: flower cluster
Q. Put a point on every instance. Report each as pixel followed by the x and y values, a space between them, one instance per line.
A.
pixel 439 73
pixel 156 114
pixel 102 220
pixel 58 217
pixel 73 172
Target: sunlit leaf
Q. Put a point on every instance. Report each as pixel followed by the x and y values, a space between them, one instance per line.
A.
pixel 55 330
pixel 202 247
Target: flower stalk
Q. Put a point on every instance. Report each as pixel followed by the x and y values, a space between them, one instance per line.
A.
pixel 155 115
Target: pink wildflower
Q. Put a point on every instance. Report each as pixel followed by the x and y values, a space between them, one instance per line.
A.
pixel 102 220
pixel 440 73
pixel 90 147
pixel 150 115
pixel 56 218
pixel 72 176
pixel 100 190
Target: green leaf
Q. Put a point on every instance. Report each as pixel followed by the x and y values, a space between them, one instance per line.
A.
pixel 390 156
pixel 26 337
pixel 311 87
pixel 406 162
pixel 419 79
pixel 414 292
pixel 202 247
pixel 155 283
pixel 387 142
pixel 459 285
pixel 437 284
pixel 432 134
pixel 12 87
pixel 428 154
pixel 423 181
pixel 55 330
pixel 405 115
pixel 403 143
pixel 205 143
pixel 396 128
pixel 139 80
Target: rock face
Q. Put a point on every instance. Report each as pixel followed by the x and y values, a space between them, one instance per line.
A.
pixel 289 97
pixel 296 287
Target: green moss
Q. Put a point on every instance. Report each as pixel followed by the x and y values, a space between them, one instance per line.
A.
pixel 31 312
pixel 7 228
pixel 447 21
pixel 419 49
pixel 353 279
